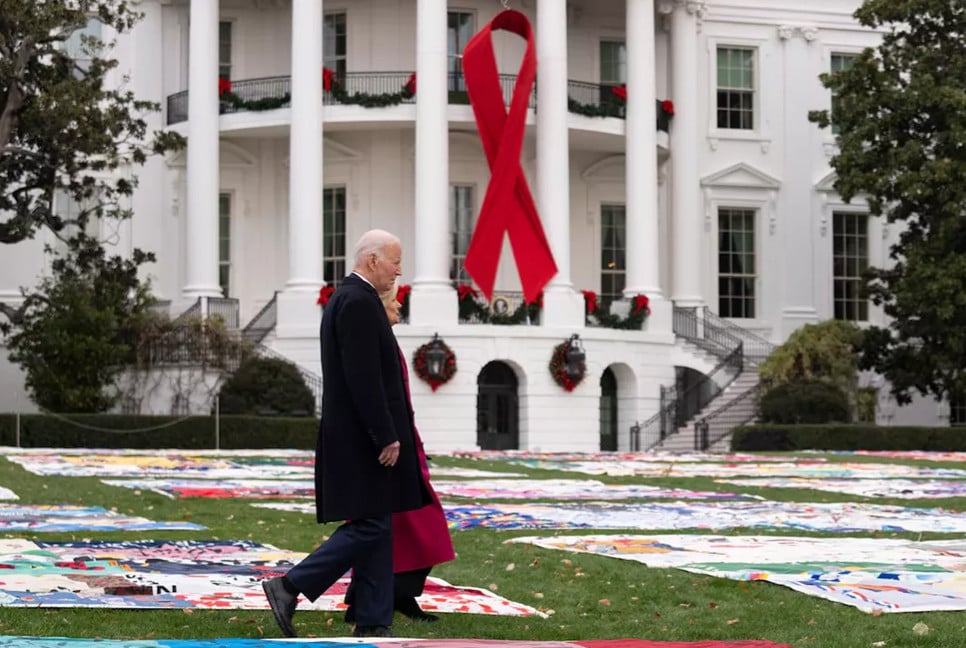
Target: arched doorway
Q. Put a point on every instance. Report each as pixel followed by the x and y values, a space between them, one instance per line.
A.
pixel 608 411
pixel 497 409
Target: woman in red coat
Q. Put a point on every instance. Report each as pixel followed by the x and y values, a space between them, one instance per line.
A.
pixel 420 538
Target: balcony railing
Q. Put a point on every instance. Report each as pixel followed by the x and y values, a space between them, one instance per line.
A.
pixel 272 92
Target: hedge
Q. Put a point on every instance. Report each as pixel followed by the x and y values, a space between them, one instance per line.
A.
pixel 848 437
pixel 141 432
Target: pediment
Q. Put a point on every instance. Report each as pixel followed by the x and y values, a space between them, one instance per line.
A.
pixel 464 146
pixel 334 151
pixel 612 167
pixel 741 176
pixel 827 182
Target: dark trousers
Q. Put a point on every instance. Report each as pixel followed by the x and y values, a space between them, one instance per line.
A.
pixel 366 547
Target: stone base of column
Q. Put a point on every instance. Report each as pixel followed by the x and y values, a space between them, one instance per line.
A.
pixel 688 301
pixel 297 314
pixel 433 305
pixel 563 308
pixel 795 317
pixel 661 319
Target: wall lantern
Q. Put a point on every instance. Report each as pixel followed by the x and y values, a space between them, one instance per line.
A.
pixel 436 358
pixel 574 358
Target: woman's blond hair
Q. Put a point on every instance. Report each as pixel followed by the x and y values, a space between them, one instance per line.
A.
pixel 389 296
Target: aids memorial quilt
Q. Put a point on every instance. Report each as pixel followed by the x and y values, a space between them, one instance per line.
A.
pixel 873 575
pixel 168 463
pixel 894 488
pixel 219 488
pixel 185 574
pixel 568 489
pixel 7 494
pixel 337 642
pixel 56 518
pixel 830 517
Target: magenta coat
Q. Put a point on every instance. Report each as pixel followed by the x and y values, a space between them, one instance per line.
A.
pixel 420 538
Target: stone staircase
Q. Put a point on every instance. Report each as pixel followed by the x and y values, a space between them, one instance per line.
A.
pixel 735 411
pixel 739 351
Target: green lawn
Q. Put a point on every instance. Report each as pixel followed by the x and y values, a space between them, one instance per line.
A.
pixel 591 597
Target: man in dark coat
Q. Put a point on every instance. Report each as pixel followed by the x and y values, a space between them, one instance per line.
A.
pixel 366 466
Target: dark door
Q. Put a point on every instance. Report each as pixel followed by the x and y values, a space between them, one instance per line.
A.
pixel 608 411
pixel 497 415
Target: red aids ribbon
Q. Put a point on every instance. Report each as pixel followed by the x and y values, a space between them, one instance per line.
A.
pixel 508 205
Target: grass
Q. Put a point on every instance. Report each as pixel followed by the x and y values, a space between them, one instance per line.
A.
pixel 592 597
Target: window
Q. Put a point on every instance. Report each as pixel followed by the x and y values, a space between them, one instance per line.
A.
pixel 957 410
pixel 460 27
pixel 839 62
pixel 613 253
pixel 224 50
pixel 334 43
pixel 736 262
pixel 613 63
pixel 333 235
pixel 224 243
pixel 79 45
pixel 736 88
pixel 850 258
pixel 461 212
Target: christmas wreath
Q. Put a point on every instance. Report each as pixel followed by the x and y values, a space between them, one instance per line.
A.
pixel 558 368
pixel 421 364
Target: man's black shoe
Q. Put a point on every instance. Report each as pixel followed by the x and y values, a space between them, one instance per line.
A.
pixel 372 631
pixel 350 615
pixel 283 604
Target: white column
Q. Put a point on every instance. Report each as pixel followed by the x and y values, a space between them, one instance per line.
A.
pixel 305 149
pixel 799 234
pixel 433 299
pixel 562 306
pixel 686 227
pixel 641 163
pixel 201 236
pixel 298 315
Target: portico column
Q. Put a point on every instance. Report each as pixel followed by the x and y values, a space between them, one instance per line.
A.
pixel 201 236
pixel 641 164
pixel 686 226
pixel 562 305
pixel 433 299
pixel 298 314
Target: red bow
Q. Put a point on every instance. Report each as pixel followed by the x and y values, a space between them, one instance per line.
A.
pixel 508 205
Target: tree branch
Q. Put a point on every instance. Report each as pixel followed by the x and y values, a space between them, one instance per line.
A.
pixel 15 96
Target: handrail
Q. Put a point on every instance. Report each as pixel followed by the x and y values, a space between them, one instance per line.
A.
pixel 757 348
pixel 707 388
pixel 701 439
pixel 583 97
pixel 312 380
pixel 263 323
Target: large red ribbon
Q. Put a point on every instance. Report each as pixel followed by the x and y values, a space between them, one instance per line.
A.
pixel 508 205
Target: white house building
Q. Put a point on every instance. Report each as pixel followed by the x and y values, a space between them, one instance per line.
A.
pixel 723 214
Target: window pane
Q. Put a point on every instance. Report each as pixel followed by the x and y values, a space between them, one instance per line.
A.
pixel 850 245
pixel 735 88
pixel 613 252
pixel 333 235
pixel 334 43
pixel 736 262
pixel 613 62
pixel 461 217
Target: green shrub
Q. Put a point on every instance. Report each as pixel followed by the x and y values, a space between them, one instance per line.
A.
pixel 826 351
pixel 141 432
pixel 266 386
pixel 771 438
pixel 806 401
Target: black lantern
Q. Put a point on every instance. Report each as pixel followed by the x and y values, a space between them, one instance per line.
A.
pixel 436 358
pixel 574 358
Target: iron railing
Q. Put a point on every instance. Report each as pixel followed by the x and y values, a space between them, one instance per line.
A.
pixel 312 380
pixel 583 97
pixel 702 428
pixel 696 327
pixel 263 323
pixel 757 348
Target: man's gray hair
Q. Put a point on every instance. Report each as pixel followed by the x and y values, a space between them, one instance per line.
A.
pixel 373 241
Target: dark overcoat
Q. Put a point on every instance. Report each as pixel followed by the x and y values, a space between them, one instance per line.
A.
pixel 364 409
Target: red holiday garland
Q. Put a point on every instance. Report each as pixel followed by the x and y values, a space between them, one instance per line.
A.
pixel 421 365
pixel 558 368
